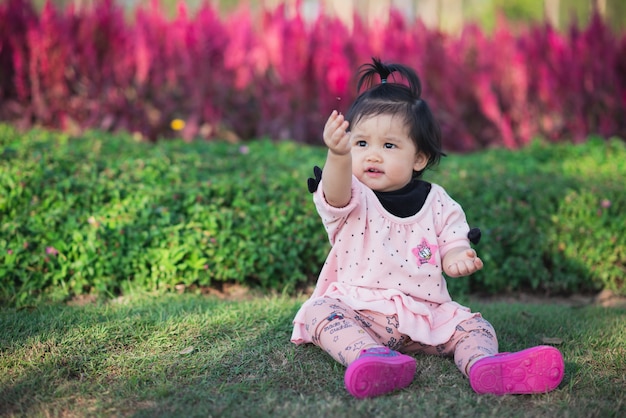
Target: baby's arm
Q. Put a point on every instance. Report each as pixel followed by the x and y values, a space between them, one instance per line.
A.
pixel 337 174
pixel 461 261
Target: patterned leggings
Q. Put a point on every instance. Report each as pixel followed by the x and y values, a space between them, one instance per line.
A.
pixel 343 333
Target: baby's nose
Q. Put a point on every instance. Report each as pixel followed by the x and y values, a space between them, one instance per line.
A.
pixel 373 156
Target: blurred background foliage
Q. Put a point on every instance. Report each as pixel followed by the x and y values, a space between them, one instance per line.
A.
pixel 96 64
pixel 446 14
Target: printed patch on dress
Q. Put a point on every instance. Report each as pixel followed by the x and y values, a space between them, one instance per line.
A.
pixel 425 252
pixel 335 315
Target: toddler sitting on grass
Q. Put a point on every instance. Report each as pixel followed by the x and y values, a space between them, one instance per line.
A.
pixel 381 294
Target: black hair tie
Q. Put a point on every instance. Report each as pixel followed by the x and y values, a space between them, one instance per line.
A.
pixel 312 183
pixel 474 235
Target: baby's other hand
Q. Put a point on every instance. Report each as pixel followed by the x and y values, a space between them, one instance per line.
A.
pixel 335 136
pixel 461 262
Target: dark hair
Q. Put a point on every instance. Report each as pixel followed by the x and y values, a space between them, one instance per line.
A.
pixel 398 99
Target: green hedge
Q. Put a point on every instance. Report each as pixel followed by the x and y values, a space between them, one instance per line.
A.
pixel 552 216
pixel 105 214
pixel 123 214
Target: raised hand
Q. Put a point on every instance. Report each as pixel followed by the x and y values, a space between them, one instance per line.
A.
pixel 337 175
pixel 335 136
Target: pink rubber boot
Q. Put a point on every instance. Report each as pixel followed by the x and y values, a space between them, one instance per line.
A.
pixel 378 371
pixel 534 370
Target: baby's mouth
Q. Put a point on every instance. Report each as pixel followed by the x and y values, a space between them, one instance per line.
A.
pixel 373 170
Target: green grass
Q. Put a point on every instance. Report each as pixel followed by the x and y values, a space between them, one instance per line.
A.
pixel 191 355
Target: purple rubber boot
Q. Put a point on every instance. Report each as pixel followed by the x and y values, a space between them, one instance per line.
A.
pixel 378 371
pixel 534 370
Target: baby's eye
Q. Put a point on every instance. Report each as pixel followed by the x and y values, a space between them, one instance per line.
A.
pixel 360 143
pixel 389 146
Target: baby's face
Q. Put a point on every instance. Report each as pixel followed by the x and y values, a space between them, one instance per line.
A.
pixel 383 155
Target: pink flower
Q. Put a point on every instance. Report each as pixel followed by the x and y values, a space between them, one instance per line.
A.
pixel 10 252
pixel 244 149
pixel 606 203
pixel 51 251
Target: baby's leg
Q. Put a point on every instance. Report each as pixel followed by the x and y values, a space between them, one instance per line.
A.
pixel 534 370
pixel 337 328
pixel 474 339
pixel 362 341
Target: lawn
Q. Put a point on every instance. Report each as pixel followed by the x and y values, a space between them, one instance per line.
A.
pixel 91 221
pixel 194 355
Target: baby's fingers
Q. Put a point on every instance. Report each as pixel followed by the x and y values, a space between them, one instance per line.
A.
pixel 332 123
pixel 463 268
pixel 478 263
pixel 335 135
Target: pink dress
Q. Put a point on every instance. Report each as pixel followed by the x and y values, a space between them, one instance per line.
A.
pixel 391 265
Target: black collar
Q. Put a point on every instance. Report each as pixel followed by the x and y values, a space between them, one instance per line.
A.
pixel 406 201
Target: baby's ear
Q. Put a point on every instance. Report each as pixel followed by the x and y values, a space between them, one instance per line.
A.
pixel 312 183
pixel 421 161
pixel 474 235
